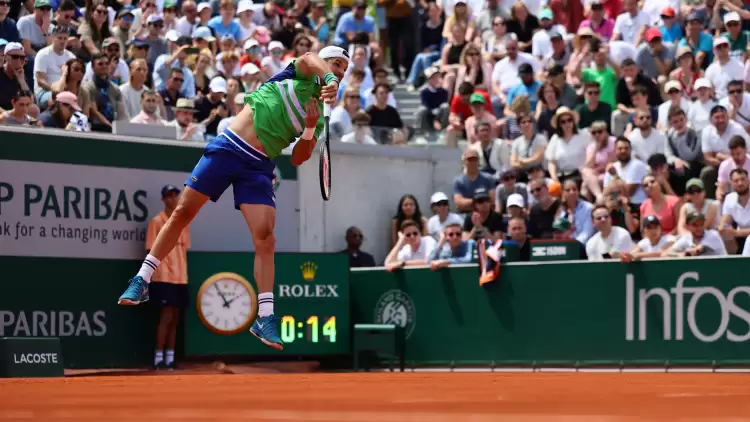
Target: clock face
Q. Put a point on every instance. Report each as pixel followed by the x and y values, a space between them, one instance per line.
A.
pixel 227 304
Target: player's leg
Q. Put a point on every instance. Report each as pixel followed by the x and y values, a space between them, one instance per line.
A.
pixel 261 219
pixel 191 201
pixel 210 178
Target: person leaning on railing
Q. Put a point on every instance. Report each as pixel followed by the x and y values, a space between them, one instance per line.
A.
pixel 451 249
pixel 65 113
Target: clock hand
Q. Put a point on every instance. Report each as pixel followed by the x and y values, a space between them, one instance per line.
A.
pixel 226 304
pixel 234 298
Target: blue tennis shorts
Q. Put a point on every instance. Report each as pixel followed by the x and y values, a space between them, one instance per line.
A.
pixel 228 160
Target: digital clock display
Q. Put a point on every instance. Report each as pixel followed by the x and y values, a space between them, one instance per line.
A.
pixel 311 299
pixel 314 329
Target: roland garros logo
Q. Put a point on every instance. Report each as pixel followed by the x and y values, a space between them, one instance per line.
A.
pixel 690 296
pixel 396 307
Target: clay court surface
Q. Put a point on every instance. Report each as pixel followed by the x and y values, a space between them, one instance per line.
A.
pixel 380 397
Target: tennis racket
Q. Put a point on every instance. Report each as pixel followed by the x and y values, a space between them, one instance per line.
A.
pixel 325 157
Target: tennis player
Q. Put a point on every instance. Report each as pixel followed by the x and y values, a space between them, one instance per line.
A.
pixel 284 108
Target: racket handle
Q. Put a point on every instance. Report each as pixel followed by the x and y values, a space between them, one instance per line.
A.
pixel 326 110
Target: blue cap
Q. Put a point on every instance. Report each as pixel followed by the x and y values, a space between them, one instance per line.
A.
pixel 139 42
pixel 3 42
pixel 168 189
pixel 651 219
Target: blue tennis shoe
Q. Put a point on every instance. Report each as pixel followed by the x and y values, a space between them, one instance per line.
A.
pixel 137 292
pixel 266 329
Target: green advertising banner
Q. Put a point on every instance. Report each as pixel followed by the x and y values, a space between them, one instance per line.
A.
pixel 76 300
pixel 681 311
pixel 311 297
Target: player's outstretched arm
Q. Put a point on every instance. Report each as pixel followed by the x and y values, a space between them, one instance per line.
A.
pixel 304 147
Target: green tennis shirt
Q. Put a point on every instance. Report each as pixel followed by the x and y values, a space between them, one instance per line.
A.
pixel 279 108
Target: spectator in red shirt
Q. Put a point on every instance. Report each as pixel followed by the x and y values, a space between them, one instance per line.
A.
pixel 460 110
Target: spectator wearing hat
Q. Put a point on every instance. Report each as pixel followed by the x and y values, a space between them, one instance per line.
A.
pixel 698 241
pixel 566 152
pixel 8 28
pixel 107 105
pixel 683 149
pixel 479 113
pixel 95 29
pixel 737 37
pixel 695 200
pixel 631 24
pixel 353 22
pixel 715 144
pixel 598 21
pixel 610 242
pixel 251 77
pixel 175 60
pixel 49 62
pixel 654 57
pixel 469 181
pixel 671 30
pixel 224 24
pixel 245 11
pixel 34 28
pixel 442 216
pixel 122 25
pixel 505 75
pixel 738 158
pixel 169 286
pixel 273 63
pixel 673 94
pixel 189 20
pixel 541 42
pixel 12 78
pixel 362 133
pixel 121 72
pixel 252 53
pixel 560 52
pixel 152 34
pixel 169 12
pixel 483 222
pixel 515 207
pixel 149 110
pixel 737 103
pixel 65 113
pixel 653 244
pixel 508 186
pixel 434 110
pixel 212 108
pixel 461 110
pixel 699 114
pixel 187 128
pixel 527 86
pixel 724 68
pixel 699 42
pixel 202 38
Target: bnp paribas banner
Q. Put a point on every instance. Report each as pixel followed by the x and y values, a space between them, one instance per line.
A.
pixel 85 210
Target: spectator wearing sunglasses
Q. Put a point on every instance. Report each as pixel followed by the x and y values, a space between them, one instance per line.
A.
pixel 121 72
pixel 123 23
pixel 442 216
pixel 288 30
pixel 696 201
pixel 508 186
pixel 483 222
pixel 34 28
pixel 411 248
pixel 357 257
pixel 8 28
pixel 451 249
pixel 12 77
pixel 610 242
pixel 96 29
pixel 107 99
pixel 49 63
pixel 157 44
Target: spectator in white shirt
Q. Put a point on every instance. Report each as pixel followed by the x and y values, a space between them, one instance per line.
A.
pixel 699 113
pixel 628 169
pixel 132 91
pixel 187 128
pixel 566 151
pixel 361 133
pixel 610 241
pixel 645 140
pixel 735 220
pixel 443 216
pixel 724 69
pixel 652 245
pixel 737 103
pixel 631 25
pixel 715 144
pixel 49 62
pixel 189 20
pixel 674 93
pixel 505 74
pixel 149 107
pixel 380 75
pixel 698 241
pixel 411 248
pixel 541 42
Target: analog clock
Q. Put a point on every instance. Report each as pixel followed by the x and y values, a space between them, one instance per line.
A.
pixel 227 304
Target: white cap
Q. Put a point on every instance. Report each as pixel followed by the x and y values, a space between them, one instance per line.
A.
pixel 275 45
pixel 249 69
pixel 437 197
pixel 670 85
pixel 332 52
pixel 239 99
pixel 13 46
pixel 515 199
pixel 218 84
pixel 202 6
pixel 732 17
pixel 720 40
pixel 244 6
pixel 250 43
pixel 172 35
pixel 702 83
pixel 155 18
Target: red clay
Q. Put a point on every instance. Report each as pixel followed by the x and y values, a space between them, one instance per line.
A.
pixel 380 397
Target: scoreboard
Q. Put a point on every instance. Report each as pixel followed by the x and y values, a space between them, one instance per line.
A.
pixel 311 297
